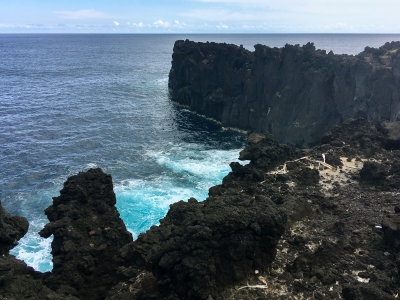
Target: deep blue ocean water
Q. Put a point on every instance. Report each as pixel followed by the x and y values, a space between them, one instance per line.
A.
pixel 72 102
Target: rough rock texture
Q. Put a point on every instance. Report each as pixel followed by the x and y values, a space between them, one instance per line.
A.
pixel 199 249
pixel 12 228
pixel 88 234
pixel 17 280
pixel 318 223
pixel 348 245
pixel 295 93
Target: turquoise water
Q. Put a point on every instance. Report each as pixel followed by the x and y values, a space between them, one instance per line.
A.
pixel 72 102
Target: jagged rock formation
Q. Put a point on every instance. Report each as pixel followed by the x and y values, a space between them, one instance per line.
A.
pixel 88 235
pixel 200 249
pixel 295 93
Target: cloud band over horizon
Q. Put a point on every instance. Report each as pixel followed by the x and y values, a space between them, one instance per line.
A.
pixel 202 16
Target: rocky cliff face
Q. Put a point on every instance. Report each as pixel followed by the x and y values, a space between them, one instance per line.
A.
pixel 295 93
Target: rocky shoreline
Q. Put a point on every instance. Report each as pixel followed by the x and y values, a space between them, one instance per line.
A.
pixel 318 223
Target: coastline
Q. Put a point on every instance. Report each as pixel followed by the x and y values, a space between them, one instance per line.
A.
pixel 313 220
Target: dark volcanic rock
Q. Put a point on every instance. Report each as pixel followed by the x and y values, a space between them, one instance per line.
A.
pixel 288 222
pixel 373 172
pixel 391 230
pixel 295 93
pixel 88 235
pixel 17 280
pixel 393 132
pixel 364 292
pixel 12 228
pixel 200 249
pixel 264 152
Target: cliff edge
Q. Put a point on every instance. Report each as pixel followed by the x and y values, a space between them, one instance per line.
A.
pixel 295 93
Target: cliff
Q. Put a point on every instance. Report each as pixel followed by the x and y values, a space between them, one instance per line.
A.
pixel 318 223
pixel 295 93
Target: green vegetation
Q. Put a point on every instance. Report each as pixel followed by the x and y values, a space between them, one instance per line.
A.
pixel 389 54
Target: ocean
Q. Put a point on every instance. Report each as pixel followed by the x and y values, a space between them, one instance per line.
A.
pixel 73 102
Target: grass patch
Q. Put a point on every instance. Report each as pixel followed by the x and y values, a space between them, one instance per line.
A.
pixel 389 54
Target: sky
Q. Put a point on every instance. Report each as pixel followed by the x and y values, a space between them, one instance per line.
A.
pixel 199 16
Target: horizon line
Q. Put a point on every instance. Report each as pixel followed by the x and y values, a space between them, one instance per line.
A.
pixel 194 33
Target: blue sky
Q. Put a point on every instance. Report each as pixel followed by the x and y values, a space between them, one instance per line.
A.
pixel 200 16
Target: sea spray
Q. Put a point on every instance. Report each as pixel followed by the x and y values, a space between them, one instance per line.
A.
pixel 189 171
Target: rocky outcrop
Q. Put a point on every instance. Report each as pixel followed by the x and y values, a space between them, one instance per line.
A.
pixel 295 93
pixel 200 249
pixel 87 236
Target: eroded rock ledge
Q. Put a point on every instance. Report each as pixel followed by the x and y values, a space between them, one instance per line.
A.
pixel 319 223
pixel 295 93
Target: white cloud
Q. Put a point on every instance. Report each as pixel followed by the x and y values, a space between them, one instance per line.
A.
pixel 180 25
pixel 81 14
pixel 116 23
pixel 353 9
pixel 222 26
pixel 160 23
pixel 139 25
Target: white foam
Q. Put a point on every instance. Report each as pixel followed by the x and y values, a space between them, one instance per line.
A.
pixel 91 166
pixel 190 172
pixel 142 203
pixel 35 250
pixel 206 164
